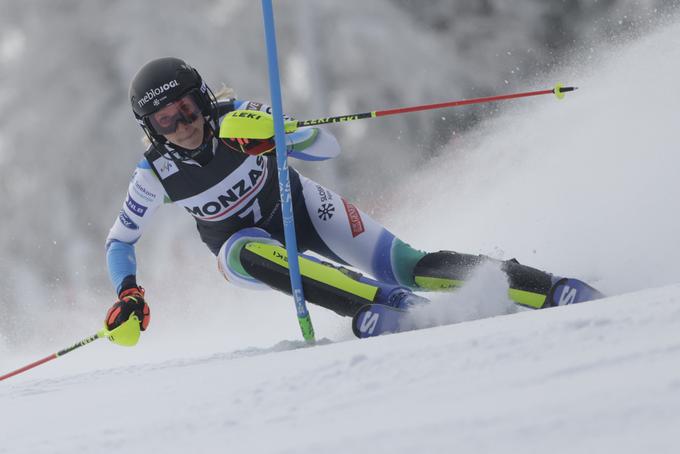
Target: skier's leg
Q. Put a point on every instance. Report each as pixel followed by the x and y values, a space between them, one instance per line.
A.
pixel 229 260
pixel 358 240
pixel 343 233
pixel 334 228
pixel 250 258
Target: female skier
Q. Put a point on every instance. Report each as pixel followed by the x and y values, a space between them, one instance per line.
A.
pixel 230 187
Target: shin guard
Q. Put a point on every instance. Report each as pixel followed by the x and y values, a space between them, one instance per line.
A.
pixel 333 287
pixel 445 270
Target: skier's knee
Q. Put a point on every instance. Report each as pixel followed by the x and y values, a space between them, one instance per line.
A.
pixel 394 261
pixel 228 259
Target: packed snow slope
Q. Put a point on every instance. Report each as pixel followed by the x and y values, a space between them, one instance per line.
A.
pixel 598 377
pixel 585 187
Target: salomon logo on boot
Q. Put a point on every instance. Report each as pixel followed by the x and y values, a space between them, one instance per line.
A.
pixel 377 319
pixel 368 323
pixel 570 291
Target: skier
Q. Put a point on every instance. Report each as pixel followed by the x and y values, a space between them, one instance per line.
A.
pixel 230 187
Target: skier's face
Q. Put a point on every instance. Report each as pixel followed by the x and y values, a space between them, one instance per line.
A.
pixel 188 135
pixel 180 122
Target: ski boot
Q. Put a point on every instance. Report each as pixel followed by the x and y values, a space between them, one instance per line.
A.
pixel 570 291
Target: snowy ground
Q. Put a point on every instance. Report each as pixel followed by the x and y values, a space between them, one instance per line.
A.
pixel 599 377
pixel 586 187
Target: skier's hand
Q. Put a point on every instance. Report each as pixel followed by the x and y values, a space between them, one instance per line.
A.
pixel 129 301
pixel 253 147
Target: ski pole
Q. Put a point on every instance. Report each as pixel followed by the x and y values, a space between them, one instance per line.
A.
pixel 249 124
pixel 127 334
pixel 278 131
pixel 558 91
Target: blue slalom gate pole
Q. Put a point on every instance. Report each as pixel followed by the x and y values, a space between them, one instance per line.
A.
pixel 284 179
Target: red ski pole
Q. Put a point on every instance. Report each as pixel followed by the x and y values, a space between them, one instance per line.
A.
pixel 126 334
pixel 249 124
pixel 558 91
pixel 85 341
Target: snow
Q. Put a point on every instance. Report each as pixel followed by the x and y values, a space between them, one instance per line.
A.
pixel 594 377
pixel 584 187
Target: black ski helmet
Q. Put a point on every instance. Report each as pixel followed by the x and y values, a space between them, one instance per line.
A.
pixel 162 81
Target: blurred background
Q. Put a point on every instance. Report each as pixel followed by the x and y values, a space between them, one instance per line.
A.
pixel 69 143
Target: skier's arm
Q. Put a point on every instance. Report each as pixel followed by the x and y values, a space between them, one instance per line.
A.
pixel 307 143
pixel 312 144
pixel 145 194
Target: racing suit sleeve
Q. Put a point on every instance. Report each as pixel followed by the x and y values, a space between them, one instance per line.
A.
pixel 145 194
pixel 309 143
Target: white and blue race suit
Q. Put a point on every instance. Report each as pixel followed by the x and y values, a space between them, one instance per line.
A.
pixel 236 193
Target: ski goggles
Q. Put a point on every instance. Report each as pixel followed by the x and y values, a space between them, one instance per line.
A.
pixel 166 120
